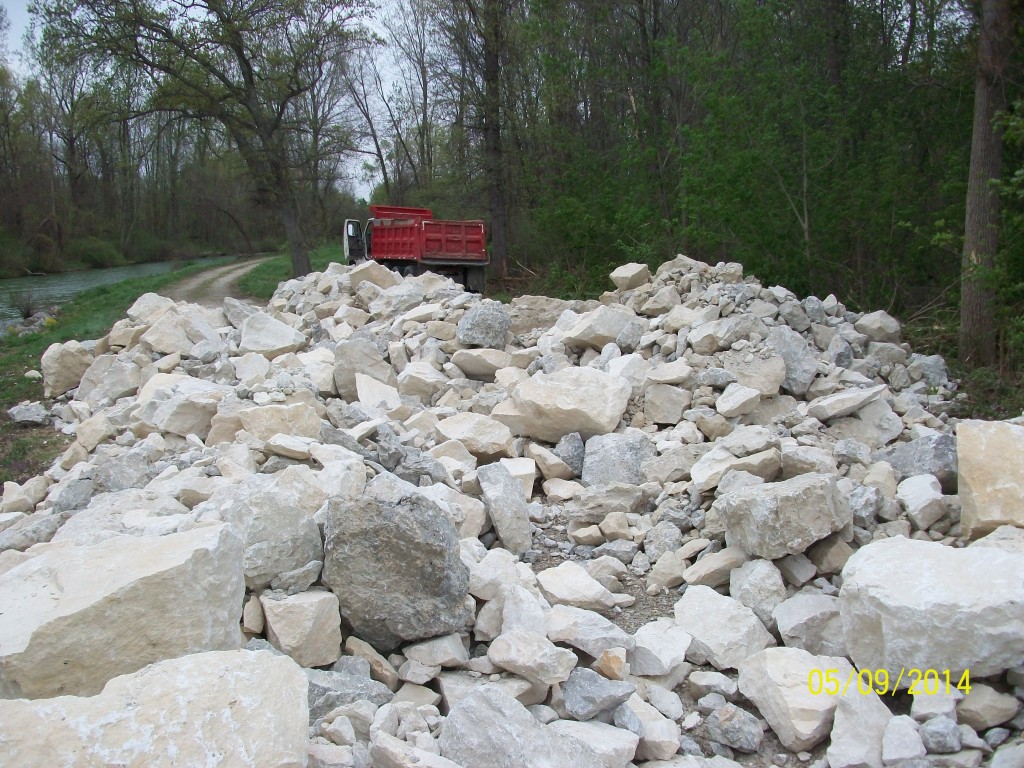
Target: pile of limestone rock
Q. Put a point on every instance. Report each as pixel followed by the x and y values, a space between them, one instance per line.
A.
pixel 386 522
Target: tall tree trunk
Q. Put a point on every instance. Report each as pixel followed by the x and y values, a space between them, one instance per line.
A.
pixel 493 154
pixel 288 213
pixel 981 227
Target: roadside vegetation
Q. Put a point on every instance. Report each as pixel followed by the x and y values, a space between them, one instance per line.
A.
pixel 262 281
pixel 28 451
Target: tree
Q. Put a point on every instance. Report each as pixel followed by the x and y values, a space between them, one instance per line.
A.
pixel 242 63
pixel 981 227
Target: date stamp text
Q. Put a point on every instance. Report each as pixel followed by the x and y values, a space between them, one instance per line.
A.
pixel 918 682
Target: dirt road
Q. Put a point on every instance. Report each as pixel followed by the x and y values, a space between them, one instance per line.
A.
pixel 209 288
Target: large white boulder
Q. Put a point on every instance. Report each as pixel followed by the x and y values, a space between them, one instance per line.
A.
pixel 550 406
pixel 177 404
pixel 268 336
pixel 631 275
pixel 76 617
pixel 858 730
pixel 178 330
pixel 306 626
pixel 274 516
pixel 778 519
pixel 600 327
pixel 570 584
pixel 63 366
pixel 725 632
pixel 916 604
pixel 237 708
pixel 296 420
pixel 990 458
pixel 490 729
pixel 532 656
pixel 483 436
pixel 788 687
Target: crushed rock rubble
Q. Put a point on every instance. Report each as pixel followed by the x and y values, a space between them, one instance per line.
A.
pixel 385 522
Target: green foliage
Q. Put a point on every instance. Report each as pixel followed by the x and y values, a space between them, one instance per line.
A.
pixel 93 252
pixel 261 281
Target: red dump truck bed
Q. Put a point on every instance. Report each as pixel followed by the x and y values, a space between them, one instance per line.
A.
pixel 411 241
pixel 412 234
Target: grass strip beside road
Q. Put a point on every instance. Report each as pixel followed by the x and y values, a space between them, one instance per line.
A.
pixel 28 451
pixel 261 281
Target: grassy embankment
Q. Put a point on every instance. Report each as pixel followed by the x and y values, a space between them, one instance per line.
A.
pixel 261 281
pixel 28 451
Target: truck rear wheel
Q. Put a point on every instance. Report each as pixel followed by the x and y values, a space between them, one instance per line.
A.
pixel 474 279
pixel 409 271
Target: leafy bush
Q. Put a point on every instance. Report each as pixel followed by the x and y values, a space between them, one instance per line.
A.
pixel 93 252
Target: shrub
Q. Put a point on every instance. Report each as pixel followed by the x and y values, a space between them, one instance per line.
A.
pixel 93 252
pixel 25 302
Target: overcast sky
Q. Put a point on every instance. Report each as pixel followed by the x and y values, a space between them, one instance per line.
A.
pixel 17 13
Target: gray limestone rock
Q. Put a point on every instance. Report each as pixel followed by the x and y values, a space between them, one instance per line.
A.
pixel 485 325
pixel 586 693
pixel 330 689
pixel 29 413
pixel 572 450
pixel 940 735
pixel 778 519
pixel 617 457
pixel 395 568
pixel 506 506
pixel 801 361
pixel 735 727
pixel 931 455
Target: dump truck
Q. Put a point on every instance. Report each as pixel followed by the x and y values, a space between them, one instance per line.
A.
pixel 411 241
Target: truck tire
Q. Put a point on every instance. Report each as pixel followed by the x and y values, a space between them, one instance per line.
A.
pixel 409 271
pixel 474 279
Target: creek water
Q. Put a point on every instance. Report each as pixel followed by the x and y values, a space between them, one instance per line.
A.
pixel 47 290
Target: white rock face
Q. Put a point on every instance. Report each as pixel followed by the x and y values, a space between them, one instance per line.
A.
pixel 901 740
pixel 295 420
pixel 843 403
pixel 899 594
pixel 490 729
pixel 181 405
pixel 629 276
pixel 615 747
pixel 483 437
pixel 274 516
pixel 269 337
pixel 778 519
pixel 879 326
pixel 860 724
pixel 570 584
pixel 506 506
pixel 660 647
pixel 921 496
pixel 737 400
pixel 777 681
pixel 250 706
pixel 725 632
pixel 758 585
pixel 306 626
pixel 659 736
pixel 589 631
pixel 481 364
pixel 76 617
pixel 597 328
pixel 811 622
pixel 531 655
pixel 550 406
pixel 990 458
